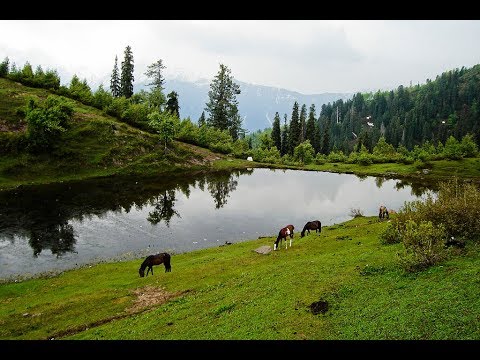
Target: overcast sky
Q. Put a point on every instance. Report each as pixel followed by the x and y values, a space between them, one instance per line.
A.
pixel 308 56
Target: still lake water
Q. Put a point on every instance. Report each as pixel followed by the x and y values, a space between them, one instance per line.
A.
pixel 51 228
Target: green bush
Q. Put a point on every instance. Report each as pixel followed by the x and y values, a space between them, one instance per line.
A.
pixel 457 207
pixel 364 159
pixel 304 152
pixel 424 245
pixel 46 121
pixel 391 234
pixel 407 160
pixel 320 159
pixel 336 157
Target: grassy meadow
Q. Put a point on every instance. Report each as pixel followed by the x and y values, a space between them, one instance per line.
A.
pixel 342 284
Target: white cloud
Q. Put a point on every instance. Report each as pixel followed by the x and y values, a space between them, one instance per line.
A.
pixel 311 56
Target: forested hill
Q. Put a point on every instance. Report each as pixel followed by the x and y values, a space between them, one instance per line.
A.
pixel 448 105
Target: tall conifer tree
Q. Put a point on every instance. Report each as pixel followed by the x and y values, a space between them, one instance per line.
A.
pixel 126 80
pixel 115 80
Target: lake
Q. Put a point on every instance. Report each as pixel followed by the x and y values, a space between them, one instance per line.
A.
pixel 51 228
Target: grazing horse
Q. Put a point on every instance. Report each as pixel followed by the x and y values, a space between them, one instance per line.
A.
pixel 155 260
pixel 312 225
pixel 282 235
pixel 383 212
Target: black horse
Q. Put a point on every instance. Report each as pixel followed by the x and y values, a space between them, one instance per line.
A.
pixel 282 235
pixel 155 260
pixel 312 225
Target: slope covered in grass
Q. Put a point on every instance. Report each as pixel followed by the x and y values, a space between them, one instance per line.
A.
pixel 95 145
pixel 232 292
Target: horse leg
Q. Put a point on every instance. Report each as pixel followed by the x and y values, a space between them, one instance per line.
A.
pixel 290 242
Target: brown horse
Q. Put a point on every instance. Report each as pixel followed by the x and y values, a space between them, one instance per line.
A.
pixel 312 225
pixel 383 212
pixel 282 235
pixel 152 260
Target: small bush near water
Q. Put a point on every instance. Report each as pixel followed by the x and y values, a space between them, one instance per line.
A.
pixel 425 226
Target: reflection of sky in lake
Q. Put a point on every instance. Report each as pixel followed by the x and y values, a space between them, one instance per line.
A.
pixel 260 205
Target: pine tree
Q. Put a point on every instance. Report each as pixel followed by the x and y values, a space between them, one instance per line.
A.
pixel 201 120
pixel 126 80
pixel 310 127
pixel 222 106
pixel 325 149
pixel 115 80
pixel 303 127
pixel 294 131
pixel 276 133
pixel 4 67
pixel 172 104
pixel 317 140
pixel 285 142
pixel 154 71
pixel 236 131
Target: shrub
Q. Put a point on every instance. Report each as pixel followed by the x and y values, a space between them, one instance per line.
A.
pixel 304 152
pixel 356 213
pixel 320 159
pixel 391 234
pixel 424 245
pixel 364 159
pixel 457 206
pixel 336 156
pixel 46 121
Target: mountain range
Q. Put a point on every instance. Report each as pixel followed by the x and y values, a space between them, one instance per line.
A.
pixel 257 103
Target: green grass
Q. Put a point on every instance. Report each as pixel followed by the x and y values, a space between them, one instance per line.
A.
pixel 232 292
pixel 440 169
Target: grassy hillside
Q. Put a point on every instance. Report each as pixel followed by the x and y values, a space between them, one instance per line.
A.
pixel 340 284
pixel 96 145
pixel 100 145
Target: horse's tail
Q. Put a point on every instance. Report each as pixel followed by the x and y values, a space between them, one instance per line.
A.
pixel 168 266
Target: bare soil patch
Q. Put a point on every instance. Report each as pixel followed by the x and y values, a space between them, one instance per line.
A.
pixel 149 296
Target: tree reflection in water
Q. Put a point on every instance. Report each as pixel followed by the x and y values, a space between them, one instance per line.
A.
pixel 59 238
pixel 221 188
pixel 163 208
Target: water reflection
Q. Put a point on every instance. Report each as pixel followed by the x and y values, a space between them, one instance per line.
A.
pixel 221 188
pixel 75 222
pixel 163 208
pixel 59 238
pixel 42 213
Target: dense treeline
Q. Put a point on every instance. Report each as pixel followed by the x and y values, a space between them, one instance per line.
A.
pixel 408 116
pixel 414 121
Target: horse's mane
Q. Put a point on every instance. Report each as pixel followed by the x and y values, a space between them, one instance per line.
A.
pixel 145 262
